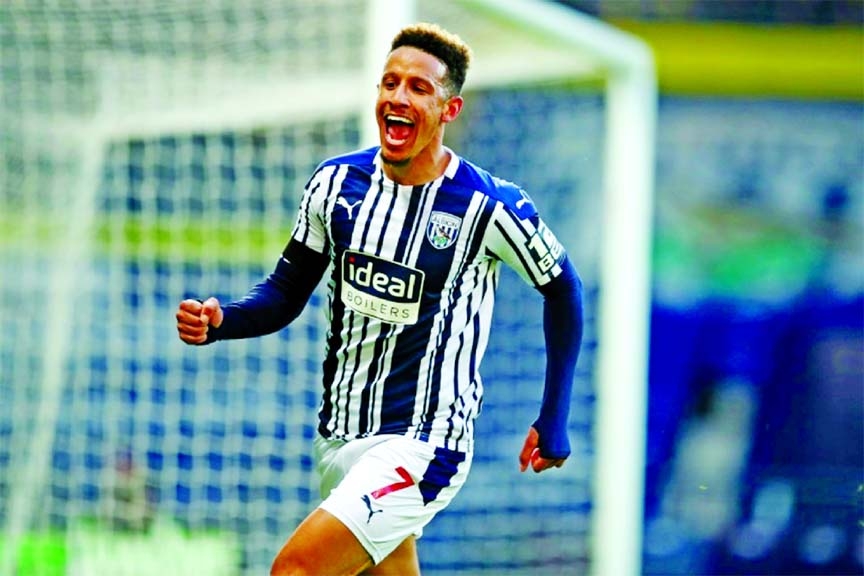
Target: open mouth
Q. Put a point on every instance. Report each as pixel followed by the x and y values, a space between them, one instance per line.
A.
pixel 397 129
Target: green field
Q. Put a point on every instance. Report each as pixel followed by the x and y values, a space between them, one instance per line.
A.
pixel 165 550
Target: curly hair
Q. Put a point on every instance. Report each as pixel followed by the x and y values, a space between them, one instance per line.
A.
pixel 444 45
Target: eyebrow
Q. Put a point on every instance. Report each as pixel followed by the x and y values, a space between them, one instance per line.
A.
pixel 387 75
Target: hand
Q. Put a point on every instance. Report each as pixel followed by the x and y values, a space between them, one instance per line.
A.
pixel 531 454
pixel 194 319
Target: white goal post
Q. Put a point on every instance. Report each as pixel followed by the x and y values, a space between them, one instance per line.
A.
pixel 629 78
pixel 140 96
pixel 625 66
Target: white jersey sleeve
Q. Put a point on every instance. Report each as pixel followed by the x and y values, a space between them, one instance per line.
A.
pixel 312 224
pixel 520 238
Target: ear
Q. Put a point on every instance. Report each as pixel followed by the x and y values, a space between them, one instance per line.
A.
pixel 452 109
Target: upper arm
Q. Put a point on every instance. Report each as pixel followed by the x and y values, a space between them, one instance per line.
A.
pixel 310 227
pixel 306 266
pixel 523 241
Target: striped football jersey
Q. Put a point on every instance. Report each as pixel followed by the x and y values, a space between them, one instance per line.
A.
pixel 411 291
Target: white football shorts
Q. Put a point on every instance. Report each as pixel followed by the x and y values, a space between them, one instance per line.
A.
pixel 386 488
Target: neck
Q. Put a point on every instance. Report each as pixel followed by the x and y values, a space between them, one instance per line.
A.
pixel 423 168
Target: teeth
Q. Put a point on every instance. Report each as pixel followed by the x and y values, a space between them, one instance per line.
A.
pixel 399 119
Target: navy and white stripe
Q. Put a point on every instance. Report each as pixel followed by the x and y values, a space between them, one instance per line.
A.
pixel 417 377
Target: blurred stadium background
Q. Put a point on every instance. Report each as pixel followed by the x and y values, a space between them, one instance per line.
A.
pixel 126 186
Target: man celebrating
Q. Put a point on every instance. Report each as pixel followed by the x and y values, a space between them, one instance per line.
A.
pixel 415 236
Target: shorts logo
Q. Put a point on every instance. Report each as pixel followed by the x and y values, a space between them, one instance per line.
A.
pixel 380 288
pixel 406 482
pixel 372 511
pixel 443 229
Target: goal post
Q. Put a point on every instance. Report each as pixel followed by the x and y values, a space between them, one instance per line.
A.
pixel 156 150
pixel 625 69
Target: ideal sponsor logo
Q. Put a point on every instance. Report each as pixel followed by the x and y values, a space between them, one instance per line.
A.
pixel 545 247
pixel 380 288
pixel 443 229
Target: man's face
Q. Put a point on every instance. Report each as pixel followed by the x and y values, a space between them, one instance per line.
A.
pixel 412 106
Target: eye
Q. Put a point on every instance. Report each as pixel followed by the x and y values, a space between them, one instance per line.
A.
pixel 422 88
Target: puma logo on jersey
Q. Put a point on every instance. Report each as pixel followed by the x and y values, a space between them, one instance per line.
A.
pixel 349 207
pixel 372 511
pixel 524 200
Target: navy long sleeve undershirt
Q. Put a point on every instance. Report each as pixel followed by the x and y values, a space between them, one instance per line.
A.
pixel 562 328
pixel 274 303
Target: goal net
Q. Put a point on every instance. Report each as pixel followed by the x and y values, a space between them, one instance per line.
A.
pixel 156 150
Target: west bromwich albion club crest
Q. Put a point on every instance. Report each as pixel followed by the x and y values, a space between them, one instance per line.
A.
pixel 443 229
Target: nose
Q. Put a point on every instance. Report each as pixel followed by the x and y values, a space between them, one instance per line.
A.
pixel 399 94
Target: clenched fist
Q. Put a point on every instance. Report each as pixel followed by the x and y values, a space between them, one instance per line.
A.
pixel 194 319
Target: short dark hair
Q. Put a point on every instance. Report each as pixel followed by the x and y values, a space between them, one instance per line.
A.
pixel 444 45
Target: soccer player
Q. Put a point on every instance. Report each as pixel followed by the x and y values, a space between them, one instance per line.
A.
pixel 415 236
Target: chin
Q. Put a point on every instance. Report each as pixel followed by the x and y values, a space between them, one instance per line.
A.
pixel 394 159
